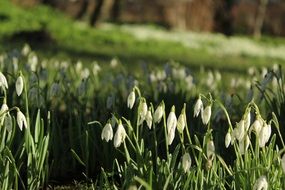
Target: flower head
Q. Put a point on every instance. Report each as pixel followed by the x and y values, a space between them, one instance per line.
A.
pixel 21 120
pixel 264 135
pixel 198 107
pixel 19 85
pixel 131 100
pixel 107 132
pixel 158 113
pixel 171 125
pixel 210 149
pixel 148 119
pixel 181 122
pixel 186 162
pixel 206 115
pixel 228 139
pixel 120 135
pixel 261 184
pixel 3 81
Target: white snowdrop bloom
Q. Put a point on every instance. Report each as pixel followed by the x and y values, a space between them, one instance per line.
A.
pixel 283 163
pixel 3 81
pixel 78 67
pixel 26 50
pixel 171 120
pixel 21 120
pixel 210 149
pixel 148 119
pixel 256 126
pixel 264 135
pixel 142 111
pixel 107 132
pixel 171 135
pixel 85 73
pixel 114 63
pixel 19 85
pixel 261 183
pixel 158 113
pixel 247 120
pixel 198 107
pixel 181 122
pixel 33 60
pixel 186 162
pixel 228 139
pixel 96 68
pixel 4 108
pixel 120 135
pixel 131 100
pixel 206 115
pixel 244 144
pixel 239 131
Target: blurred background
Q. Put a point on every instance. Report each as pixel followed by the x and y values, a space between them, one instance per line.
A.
pixel 207 32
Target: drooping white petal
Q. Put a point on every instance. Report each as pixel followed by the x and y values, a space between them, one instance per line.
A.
pixel 107 132
pixel 198 107
pixel 171 121
pixel 261 183
pixel 3 81
pixel 247 121
pixel 131 100
pixel 158 114
pixel 228 139
pixel 19 85
pixel 120 136
pixel 181 123
pixel 264 135
pixel 240 130
pixel 186 162
pixel 148 119
pixel 210 149
pixel 21 120
pixel 244 144
pixel 206 115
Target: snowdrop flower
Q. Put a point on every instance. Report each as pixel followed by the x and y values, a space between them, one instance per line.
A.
pixel 261 184
pixel 283 162
pixel 256 126
pixel 142 111
pixel 107 132
pixel 206 115
pixel 19 85
pixel 264 135
pixel 21 120
pixel 181 123
pixel 3 81
pixel 210 149
pixel 131 100
pixel 158 113
pixel 244 144
pixel 96 68
pixel 4 108
pixel 148 119
pixel 228 139
pixel 120 135
pixel 186 162
pixel 198 107
pixel 171 125
pixel 239 131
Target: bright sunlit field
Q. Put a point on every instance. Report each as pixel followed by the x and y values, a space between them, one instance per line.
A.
pixel 132 107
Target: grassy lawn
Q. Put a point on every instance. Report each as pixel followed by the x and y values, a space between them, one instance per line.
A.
pixel 76 40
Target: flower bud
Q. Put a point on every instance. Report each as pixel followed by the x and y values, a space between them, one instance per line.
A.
pixel 228 139
pixel 120 135
pixel 131 100
pixel 148 119
pixel 186 162
pixel 210 149
pixel 107 132
pixel 206 115
pixel 19 85
pixel 198 107
pixel 158 113
pixel 3 81
pixel 21 120
pixel 261 184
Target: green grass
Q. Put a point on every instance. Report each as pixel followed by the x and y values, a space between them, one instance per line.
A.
pixel 76 40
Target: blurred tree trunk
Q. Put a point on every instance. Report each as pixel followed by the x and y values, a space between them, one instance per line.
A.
pixel 115 11
pixel 261 12
pixel 83 9
pixel 96 12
